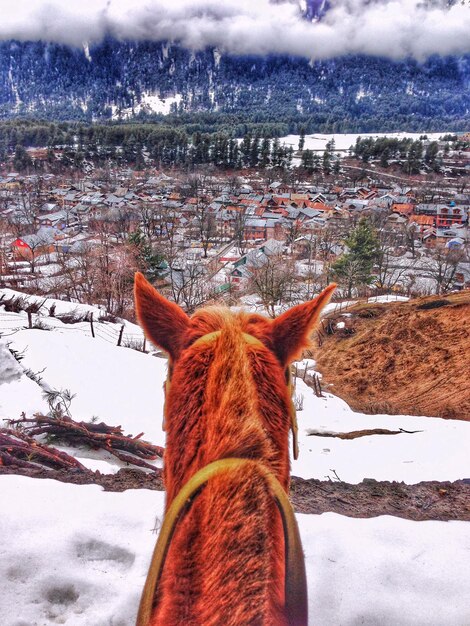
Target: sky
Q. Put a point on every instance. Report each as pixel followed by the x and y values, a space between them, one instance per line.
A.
pixel 395 28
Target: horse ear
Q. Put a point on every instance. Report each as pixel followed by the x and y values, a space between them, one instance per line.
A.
pixel 163 322
pixel 291 331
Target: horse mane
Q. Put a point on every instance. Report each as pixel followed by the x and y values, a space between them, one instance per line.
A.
pixel 227 397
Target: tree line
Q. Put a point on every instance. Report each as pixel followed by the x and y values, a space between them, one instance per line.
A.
pixel 138 145
pixel 411 154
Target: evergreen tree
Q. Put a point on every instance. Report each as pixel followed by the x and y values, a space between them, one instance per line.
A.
pixel 354 268
pixel 415 155
pixel 307 161
pixel 326 162
pixel 21 160
pixel 254 152
pixel 384 158
pixel 245 150
pixel 148 261
pixel 265 152
pixel 430 156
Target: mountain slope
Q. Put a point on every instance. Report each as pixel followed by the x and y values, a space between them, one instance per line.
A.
pixel 114 79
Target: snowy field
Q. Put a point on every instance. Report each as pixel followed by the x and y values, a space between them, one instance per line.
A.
pixel 318 141
pixel 77 555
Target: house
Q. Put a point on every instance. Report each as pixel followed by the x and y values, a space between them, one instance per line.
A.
pixel 33 246
pixel 462 278
pixel 278 188
pixel 403 208
pixel 59 219
pixel 304 245
pixel 239 275
pixel 253 259
pixel 422 222
pixel 396 219
pixel 255 229
pixel 451 215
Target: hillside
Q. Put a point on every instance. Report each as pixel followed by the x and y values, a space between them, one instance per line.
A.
pixel 84 554
pixel 115 80
pixel 403 357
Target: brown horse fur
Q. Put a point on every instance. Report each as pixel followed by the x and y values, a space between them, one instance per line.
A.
pixel 226 398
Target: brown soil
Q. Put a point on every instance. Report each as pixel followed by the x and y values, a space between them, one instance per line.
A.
pixel 423 501
pixel 409 358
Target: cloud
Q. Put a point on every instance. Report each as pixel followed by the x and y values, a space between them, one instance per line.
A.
pixel 395 29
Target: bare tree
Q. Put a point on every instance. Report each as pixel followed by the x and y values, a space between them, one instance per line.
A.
pixel 273 280
pixel 5 243
pixel 328 238
pixel 351 273
pixel 390 267
pixel 168 230
pixel 189 286
pixel 28 201
pixel 240 218
pixel 293 230
pixel 150 218
pixel 205 226
pixel 442 265
pixel 78 275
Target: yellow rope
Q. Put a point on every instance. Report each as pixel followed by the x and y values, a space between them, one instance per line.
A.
pixel 295 579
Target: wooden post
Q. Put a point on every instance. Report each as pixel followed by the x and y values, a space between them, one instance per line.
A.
pixel 30 319
pixel 91 325
pixel 144 345
pixel 121 332
pixel 318 391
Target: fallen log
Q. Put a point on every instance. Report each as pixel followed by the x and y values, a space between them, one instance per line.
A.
pixel 97 436
pixel 355 434
pixel 19 449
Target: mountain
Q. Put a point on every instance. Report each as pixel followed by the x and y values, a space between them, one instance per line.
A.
pixel 118 80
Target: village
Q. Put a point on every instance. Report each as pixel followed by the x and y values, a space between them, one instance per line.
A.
pixel 234 313
pixel 208 236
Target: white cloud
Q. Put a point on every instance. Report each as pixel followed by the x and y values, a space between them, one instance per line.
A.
pixel 396 29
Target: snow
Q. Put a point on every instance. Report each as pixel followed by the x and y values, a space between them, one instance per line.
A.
pixel 61 306
pixel 124 387
pixel 10 369
pixel 117 385
pixel 86 561
pixel 435 453
pixel 78 556
pixel 150 103
pixel 388 298
pixel 344 141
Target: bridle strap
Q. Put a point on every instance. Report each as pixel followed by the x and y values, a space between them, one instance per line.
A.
pixel 295 578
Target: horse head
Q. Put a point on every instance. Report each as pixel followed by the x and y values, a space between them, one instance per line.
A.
pixel 228 411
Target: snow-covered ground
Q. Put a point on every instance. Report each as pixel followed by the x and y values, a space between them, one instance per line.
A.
pixel 122 386
pixel 77 555
pixel 343 141
pixel 150 103
pixel 435 452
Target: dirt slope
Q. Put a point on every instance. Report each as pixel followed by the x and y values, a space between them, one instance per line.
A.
pixel 401 358
pixel 422 501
